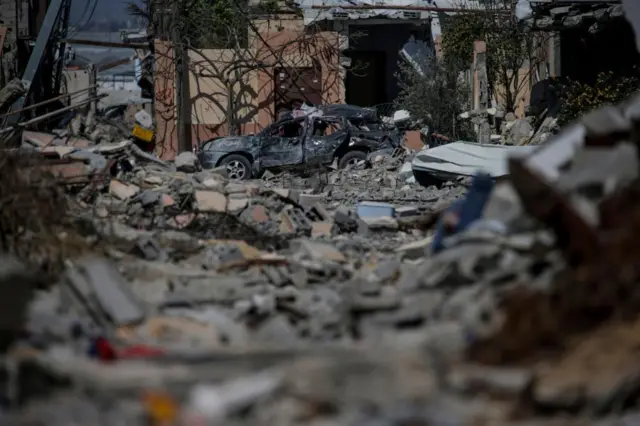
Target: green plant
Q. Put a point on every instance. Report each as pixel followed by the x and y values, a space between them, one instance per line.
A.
pixel 201 23
pixel 435 95
pixel 578 98
pixel 508 47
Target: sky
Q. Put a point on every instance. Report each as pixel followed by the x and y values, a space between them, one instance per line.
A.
pixel 114 9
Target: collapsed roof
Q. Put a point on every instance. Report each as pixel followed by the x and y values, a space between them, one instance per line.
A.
pixel 329 10
pixel 555 15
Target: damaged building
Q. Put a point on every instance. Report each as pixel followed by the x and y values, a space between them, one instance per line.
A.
pixel 309 52
pixel 376 38
pixel 586 37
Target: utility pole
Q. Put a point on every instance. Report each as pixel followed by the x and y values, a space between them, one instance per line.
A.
pixel 183 101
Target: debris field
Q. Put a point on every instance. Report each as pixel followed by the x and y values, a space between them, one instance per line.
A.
pixel 137 291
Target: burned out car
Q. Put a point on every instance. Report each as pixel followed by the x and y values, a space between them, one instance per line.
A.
pixel 292 142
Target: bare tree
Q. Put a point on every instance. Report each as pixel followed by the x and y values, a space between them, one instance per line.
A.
pixel 512 52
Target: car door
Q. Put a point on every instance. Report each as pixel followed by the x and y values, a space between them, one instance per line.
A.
pixel 281 143
pixel 324 138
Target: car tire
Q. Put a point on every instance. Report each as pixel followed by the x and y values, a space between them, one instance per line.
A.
pixel 238 167
pixel 351 157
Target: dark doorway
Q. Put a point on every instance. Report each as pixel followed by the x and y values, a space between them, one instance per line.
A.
pixel 366 85
pixel 585 55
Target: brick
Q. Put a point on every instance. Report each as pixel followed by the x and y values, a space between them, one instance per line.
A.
pixel 211 201
pixel 166 200
pixel 259 214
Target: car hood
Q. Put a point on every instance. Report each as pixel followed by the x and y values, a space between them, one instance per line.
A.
pixel 234 143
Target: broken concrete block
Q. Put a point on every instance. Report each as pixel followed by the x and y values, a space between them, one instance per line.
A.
pixel 102 212
pixel 406 211
pixel 235 188
pixel 183 330
pixel 153 180
pixel 307 201
pixel 219 171
pixel 415 249
pixel 283 192
pixel 121 190
pixel 321 229
pixel 286 224
pixel 318 251
pixel 235 205
pixel 211 201
pixel 213 184
pixel 381 223
pixel 500 382
pixel 252 190
pixel 106 286
pixel 187 162
pixel 405 172
pixel 149 198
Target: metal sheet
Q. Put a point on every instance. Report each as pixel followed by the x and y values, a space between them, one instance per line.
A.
pixel 467 158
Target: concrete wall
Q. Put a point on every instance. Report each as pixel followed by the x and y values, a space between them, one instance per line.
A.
pixel 214 74
pixel 479 84
pixel 75 80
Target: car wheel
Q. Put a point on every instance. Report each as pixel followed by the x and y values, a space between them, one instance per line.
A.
pixel 238 167
pixel 352 158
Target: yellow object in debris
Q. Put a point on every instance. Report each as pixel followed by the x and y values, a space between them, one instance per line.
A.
pixel 143 134
pixel 161 408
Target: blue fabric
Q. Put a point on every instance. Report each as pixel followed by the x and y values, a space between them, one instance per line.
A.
pixel 468 210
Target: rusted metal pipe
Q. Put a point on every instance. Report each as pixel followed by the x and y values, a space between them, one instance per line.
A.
pixel 61 110
pixel 107 44
pixel 57 98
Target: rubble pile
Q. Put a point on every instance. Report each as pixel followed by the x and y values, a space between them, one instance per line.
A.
pixel 184 297
pixel 385 178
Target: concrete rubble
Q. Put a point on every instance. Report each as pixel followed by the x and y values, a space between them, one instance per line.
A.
pixel 176 296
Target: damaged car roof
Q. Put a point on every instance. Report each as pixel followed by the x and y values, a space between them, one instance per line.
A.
pixel 349 112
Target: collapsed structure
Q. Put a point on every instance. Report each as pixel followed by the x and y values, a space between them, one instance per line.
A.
pixel 141 291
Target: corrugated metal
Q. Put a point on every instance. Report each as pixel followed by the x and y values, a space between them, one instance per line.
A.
pixel 467 158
